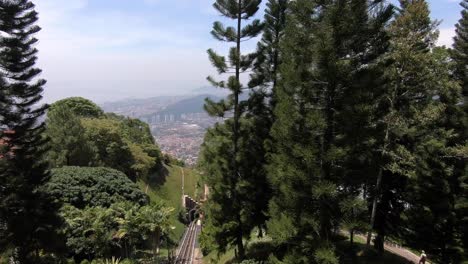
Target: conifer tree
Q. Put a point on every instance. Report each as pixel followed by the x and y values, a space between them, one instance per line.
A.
pixel 460 50
pixel 27 215
pixel 292 165
pixel 259 117
pixel 268 56
pixel 459 54
pixel 327 56
pixel 431 215
pixel 228 209
pixel 409 144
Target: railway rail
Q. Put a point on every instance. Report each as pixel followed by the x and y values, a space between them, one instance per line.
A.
pixel 185 254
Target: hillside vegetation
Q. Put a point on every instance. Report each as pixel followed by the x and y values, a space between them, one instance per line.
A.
pixel 166 186
pixel 116 195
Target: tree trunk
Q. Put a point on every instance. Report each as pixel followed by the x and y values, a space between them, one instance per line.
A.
pixel 374 206
pixel 240 246
pixel 158 241
pixel 239 242
pixel 378 185
pixel 260 231
pixel 379 242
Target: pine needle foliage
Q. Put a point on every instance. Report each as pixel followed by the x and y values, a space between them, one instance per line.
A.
pixel 460 50
pixel 328 61
pixel 416 185
pixel 460 57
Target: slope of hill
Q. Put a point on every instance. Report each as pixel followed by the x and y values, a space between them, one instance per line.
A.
pixel 166 185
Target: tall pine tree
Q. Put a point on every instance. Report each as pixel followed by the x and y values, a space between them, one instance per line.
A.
pixel 27 216
pixel 292 168
pixel 327 56
pixel 460 50
pixel 259 117
pixel 430 217
pixel 459 54
pixel 268 55
pixel 228 211
pixel 408 142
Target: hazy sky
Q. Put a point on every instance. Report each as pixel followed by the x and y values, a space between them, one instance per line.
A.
pixel 113 49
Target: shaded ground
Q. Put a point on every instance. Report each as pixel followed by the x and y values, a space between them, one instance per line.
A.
pixel 358 254
pixel 404 253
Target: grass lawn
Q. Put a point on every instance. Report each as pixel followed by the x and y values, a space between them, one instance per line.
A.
pixel 166 185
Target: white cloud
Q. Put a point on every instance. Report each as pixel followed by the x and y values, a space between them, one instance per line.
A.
pixel 114 54
pixel 446 37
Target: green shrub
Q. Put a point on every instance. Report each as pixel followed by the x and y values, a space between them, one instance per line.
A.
pixel 88 186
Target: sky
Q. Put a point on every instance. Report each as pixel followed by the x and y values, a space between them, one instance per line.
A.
pixel 108 50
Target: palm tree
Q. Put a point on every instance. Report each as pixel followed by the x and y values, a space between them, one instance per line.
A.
pixel 128 231
pixel 154 221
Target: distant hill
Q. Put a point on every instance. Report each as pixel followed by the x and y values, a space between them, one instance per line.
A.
pixel 211 91
pixel 141 107
pixel 167 105
pixel 189 105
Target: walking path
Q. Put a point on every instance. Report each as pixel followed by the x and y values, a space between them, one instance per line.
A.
pixel 400 251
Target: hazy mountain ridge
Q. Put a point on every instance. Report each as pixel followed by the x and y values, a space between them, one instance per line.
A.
pixel 185 106
pixel 192 102
pixel 141 107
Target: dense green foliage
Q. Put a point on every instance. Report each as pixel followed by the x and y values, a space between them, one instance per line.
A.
pixel 88 186
pixel 427 187
pixel 316 95
pixel 68 144
pixel 260 107
pixel 107 215
pixel 112 150
pixel 460 50
pixel 28 218
pixel 460 123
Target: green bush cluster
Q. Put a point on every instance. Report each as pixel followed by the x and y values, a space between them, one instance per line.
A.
pixel 122 230
pixel 106 214
pixel 89 186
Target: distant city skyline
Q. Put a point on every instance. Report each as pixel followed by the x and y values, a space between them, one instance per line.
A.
pixel 108 50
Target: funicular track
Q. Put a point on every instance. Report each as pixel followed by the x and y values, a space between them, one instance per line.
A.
pixel 186 251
